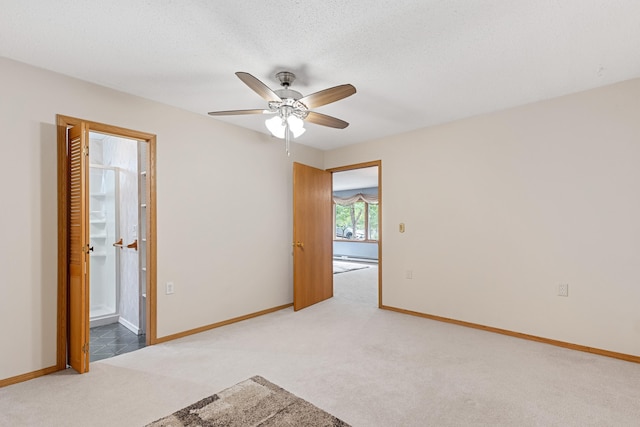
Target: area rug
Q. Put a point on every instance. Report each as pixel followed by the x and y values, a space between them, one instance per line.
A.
pixel 254 402
pixel 343 267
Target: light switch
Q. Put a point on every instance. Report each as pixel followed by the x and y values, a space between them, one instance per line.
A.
pixel 402 227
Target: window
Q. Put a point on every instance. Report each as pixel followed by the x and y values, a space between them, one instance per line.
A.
pixel 356 217
pixel 373 221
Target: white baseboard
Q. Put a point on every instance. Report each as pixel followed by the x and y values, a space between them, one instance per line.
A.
pixel 103 320
pixel 130 326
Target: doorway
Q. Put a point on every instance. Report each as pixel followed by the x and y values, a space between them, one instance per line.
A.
pixel 313 235
pixel 116 294
pixel 107 247
pixel 357 246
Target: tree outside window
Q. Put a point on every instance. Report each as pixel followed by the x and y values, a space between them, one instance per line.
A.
pixel 373 222
pixel 356 218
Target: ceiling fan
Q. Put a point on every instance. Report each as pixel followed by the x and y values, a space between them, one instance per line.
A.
pixel 291 109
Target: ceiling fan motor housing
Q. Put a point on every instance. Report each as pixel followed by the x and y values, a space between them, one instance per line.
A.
pixel 289 105
pixel 287 93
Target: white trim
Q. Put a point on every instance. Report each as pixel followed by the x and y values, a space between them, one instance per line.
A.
pixel 130 326
pixel 104 320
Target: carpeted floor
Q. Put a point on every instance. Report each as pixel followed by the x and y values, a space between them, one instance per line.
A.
pixel 366 366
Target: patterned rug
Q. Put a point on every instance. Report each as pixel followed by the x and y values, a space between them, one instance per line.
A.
pixel 254 402
pixel 343 267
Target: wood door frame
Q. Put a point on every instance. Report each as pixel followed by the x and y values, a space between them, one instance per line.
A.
pixel 373 163
pixel 64 122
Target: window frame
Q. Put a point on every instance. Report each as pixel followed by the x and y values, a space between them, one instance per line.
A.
pixel 367 238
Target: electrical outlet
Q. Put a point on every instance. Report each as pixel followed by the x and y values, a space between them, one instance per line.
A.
pixel 409 274
pixel 563 290
pixel 169 289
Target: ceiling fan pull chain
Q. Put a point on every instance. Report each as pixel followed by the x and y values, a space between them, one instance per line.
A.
pixel 287 138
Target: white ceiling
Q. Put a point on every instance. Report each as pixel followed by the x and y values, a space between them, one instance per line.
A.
pixel 415 63
pixel 355 179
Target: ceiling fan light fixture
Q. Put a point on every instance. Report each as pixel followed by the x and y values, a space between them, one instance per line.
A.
pixel 275 126
pixel 296 125
pixel 278 127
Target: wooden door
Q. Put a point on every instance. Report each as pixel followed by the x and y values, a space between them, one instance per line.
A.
pixel 312 236
pixel 78 155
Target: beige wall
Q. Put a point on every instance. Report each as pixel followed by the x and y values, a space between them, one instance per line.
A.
pixel 501 208
pixel 224 211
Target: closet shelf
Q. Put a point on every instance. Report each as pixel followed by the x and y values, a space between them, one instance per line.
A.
pixel 98 236
pixel 98 194
pixel 98 254
pixel 98 221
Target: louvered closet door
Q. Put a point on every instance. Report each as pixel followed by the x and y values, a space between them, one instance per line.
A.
pixel 78 155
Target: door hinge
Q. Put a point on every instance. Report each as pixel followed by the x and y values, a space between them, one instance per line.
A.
pixel 85 151
pixel 85 347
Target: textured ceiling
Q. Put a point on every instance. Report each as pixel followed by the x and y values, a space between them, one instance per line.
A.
pixel 415 63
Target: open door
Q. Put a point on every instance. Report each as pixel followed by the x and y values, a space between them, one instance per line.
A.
pixel 78 155
pixel 312 236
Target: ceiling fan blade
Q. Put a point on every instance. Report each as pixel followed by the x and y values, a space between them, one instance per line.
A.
pixel 327 96
pixel 324 120
pixel 258 87
pixel 237 112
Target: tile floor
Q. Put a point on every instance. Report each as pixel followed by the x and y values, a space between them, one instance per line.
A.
pixel 110 340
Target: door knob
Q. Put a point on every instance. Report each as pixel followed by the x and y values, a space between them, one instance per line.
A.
pixel 300 244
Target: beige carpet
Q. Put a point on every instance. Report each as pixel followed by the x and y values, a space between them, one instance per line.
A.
pixel 254 402
pixel 366 366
